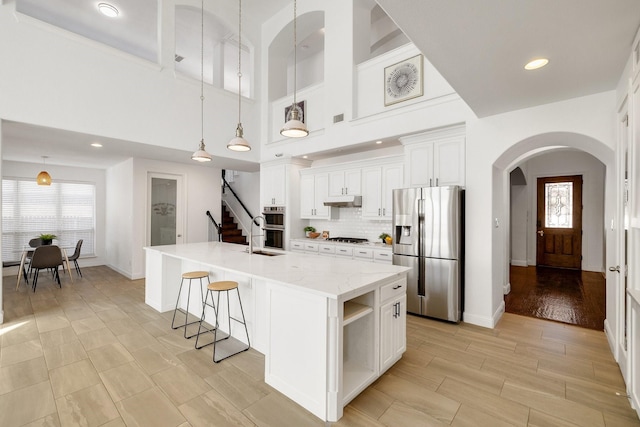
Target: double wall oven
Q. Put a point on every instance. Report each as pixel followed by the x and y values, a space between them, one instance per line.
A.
pixel 273 226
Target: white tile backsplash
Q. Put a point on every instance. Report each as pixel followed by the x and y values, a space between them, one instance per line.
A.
pixel 348 222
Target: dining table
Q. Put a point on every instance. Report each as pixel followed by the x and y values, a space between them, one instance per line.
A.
pixel 25 254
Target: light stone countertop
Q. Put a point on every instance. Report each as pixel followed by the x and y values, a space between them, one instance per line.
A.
pixel 328 276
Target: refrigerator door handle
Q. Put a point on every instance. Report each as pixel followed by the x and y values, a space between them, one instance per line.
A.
pixel 421 277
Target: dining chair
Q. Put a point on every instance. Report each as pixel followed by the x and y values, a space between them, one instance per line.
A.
pixel 45 257
pixel 33 243
pixel 75 256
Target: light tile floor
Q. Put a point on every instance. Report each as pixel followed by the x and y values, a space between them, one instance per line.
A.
pixel 93 354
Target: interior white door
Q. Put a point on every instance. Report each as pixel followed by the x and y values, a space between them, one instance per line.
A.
pixel 165 212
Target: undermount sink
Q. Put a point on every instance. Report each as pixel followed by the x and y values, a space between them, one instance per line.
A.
pixel 260 252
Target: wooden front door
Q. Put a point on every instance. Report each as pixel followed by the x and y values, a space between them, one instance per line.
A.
pixel 559 222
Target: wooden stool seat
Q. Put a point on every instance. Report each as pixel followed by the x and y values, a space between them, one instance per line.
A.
pixel 195 274
pixel 225 285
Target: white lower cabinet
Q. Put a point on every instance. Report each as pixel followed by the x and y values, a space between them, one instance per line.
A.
pixel 393 323
pixel 382 256
pixel 378 254
pixel 363 254
pixel 296 246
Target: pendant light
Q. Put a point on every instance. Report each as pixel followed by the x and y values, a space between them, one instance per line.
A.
pixel 43 177
pixel 239 143
pixel 294 128
pixel 201 154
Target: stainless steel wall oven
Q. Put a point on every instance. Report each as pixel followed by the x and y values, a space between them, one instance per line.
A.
pixel 273 216
pixel 273 226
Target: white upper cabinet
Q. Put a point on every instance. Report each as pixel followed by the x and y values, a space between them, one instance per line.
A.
pixel 377 185
pixel 314 188
pixel 344 182
pixel 274 185
pixel 435 158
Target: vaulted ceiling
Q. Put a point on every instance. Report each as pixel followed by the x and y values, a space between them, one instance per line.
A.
pixel 480 47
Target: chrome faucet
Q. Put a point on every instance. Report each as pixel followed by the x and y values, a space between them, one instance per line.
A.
pixel 251 236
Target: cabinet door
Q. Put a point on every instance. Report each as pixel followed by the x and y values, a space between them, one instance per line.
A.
pixel 321 191
pixel 393 325
pixel 392 178
pixel 419 159
pixel 353 182
pixel 371 192
pixel 307 196
pixel 273 180
pixel 448 162
pixel 336 183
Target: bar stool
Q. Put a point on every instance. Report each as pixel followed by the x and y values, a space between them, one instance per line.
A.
pixel 190 276
pixel 219 287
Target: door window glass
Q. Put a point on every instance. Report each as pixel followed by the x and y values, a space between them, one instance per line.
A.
pixel 558 203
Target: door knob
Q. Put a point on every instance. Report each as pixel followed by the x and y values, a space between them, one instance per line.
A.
pixel 616 268
pixel 540 232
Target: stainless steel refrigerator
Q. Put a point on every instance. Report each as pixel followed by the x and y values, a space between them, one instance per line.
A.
pixel 428 228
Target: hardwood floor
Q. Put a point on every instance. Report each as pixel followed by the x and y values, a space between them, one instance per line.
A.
pixel 92 353
pixel 569 296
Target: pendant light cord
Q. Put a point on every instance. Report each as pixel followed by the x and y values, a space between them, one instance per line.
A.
pixel 239 60
pixel 202 69
pixel 295 51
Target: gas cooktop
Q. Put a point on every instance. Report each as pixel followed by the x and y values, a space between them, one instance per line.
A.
pixel 347 240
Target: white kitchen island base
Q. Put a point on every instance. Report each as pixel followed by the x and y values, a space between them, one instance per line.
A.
pixel 328 327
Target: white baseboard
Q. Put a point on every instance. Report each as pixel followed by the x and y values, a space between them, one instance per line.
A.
pixel 610 339
pixel 1 317
pixel 484 321
pixel 506 289
pixel 126 274
pixel 519 262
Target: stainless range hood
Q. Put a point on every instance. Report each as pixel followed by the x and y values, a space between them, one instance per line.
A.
pixel 344 201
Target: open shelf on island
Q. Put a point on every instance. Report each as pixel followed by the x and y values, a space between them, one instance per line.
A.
pixel 354 311
pixel 356 378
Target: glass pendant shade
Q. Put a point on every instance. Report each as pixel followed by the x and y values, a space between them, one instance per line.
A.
pixel 201 155
pixel 43 178
pixel 239 143
pixel 294 128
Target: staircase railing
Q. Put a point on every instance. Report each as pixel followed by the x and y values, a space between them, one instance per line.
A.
pixel 217 226
pixel 226 185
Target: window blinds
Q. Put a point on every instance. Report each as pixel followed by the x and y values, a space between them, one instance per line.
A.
pixel 66 209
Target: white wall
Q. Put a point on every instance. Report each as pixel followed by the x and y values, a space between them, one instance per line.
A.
pixel 71 174
pixel 128 200
pixel 61 80
pixel 519 219
pixel 347 95
pixel 592 170
pixel 119 222
pixel 503 141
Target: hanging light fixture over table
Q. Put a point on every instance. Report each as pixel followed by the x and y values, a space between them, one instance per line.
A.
pixel 43 177
pixel 201 154
pixel 238 143
pixel 294 127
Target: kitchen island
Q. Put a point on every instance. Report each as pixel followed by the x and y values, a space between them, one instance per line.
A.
pixel 328 327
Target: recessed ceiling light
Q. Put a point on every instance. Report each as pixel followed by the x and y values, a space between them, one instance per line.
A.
pixel 305 157
pixel 108 10
pixel 378 142
pixel 536 63
pixel 96 144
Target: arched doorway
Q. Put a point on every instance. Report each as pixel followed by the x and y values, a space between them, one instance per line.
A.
pixel 556 238
pixel 534 146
